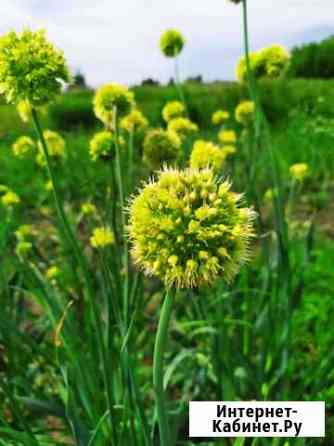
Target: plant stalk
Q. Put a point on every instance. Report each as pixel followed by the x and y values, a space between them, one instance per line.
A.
pixel 159 349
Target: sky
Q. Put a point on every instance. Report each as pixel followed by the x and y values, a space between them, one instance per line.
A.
pixel 118 40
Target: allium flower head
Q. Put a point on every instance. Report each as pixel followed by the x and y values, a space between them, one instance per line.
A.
pixel 161 146
pixel 220 116
pixel 112 97
pixel 23 248
pixel 135 121
pixel 23 146
pixel 241 69
pixel 53 272
pixel 228 151
pixel 268 62
pixel 55 144
pixel 299 171
pixel 173 109
pixel 24 110
pixel 102 145
pixel 24 231
pixel 188 228
pixel 102 237
pixel 206 154
pixel 274 60
pixel 183 127
pixel 171 43
pixel 9 198
pixel 31 68
pixel 244 112
pixel 227 137
pixel 88 208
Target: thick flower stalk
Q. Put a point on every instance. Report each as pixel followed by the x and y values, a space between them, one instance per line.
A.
pixel 110 98
pixel 171 43
pixel 172 110
pixel 161 146
pixel 102 145
pixel 245 112
pixel 188 228
pixel 24 146
pixel 206 154
pixel 31 68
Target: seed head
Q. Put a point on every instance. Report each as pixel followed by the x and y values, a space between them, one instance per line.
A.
pixel 183 127
pixel 189 229
pixel 173 109
pixel 31 68
pixel 206 154
pixel 23 146
pixel 112 97
pixel 102 237
pixel 220 116
pixel 102 145
pixel 171 43
pixel 244 112
pixel 161 146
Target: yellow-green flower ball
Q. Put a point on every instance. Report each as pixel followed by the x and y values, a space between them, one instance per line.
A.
pixel 228 151
pixel 206 154
pixel 189 229
pixel 244 112
pixel 23 248
pixel 135 121
pixel 24 110
pixel 299 171
pixel 183 127
pixel 25 231
pixel 268 62
pixel 173 109
pixel 88 209
pixel 219 117
pixel 31 68
pixel 55 144
pixel 171 43
pixel 102 237
pixel 102 145
pixel 110 98
pixel 161 146
pixel 227 137
pixel 241 69
pixel 23 146
pixel 274 60
pixel 9 198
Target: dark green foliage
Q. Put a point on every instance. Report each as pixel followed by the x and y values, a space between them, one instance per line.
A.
pixel 314 60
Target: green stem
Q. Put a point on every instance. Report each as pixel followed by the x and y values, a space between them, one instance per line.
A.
pixel 178 84
pixel 159 349
pixel 120 185
pixel 131 161
pixel 68 233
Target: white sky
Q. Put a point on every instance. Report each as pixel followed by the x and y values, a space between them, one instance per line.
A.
pixel 117 40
